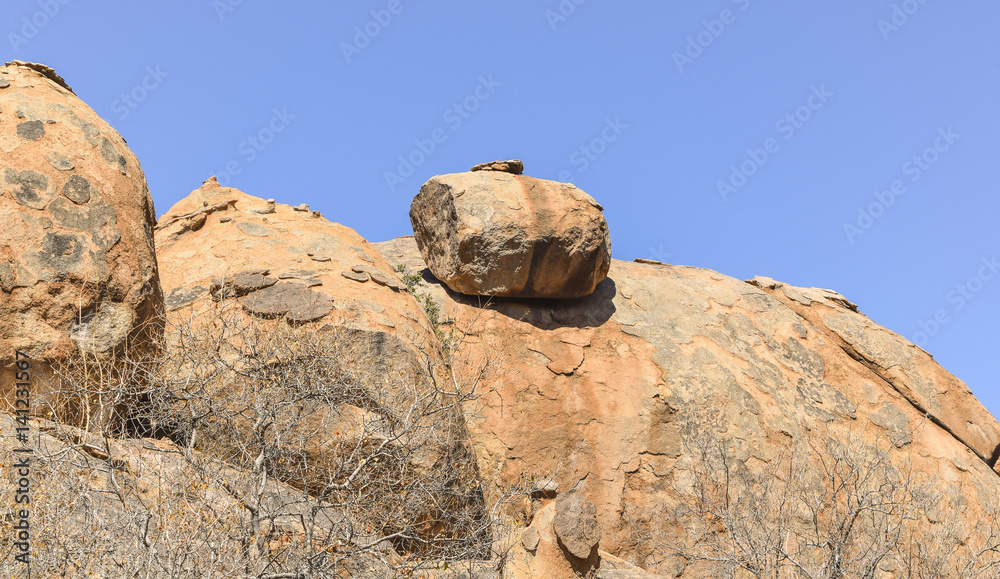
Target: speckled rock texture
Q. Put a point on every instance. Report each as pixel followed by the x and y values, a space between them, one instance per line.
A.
pixel 493 233
pixel 77 265
pixel 595 392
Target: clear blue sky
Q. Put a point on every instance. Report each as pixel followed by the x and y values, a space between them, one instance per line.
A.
pixel 646 105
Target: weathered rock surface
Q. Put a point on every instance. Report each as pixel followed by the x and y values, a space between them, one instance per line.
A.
pixel 77 265
pixel 575 524
pixel 220 243
pixel 595 392
pixel 513 166
pixel 361 366
pixel 497 234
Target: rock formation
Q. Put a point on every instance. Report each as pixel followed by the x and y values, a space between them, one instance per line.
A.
pixel 356 409
pixel 319 336
pixel 77 266
pixel 598 392
pixel 493 233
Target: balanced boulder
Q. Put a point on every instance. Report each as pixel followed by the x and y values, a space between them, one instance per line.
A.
pixel 493 233
pixel 77 267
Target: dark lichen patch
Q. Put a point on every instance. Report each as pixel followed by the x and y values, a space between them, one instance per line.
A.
pixel 181 296
pixel 30 187
pixel 111 155
pixel 59 162
pixel 895 422
pixel 60 252
pixel 77 189
pixel 6 278
pixel 97 219
pixel 31 130
pixel 254 229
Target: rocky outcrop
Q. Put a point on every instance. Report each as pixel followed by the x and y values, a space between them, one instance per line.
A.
pixel 277 262
pixel 77 266
pixel 601 393
pixel 320 338
pixel 492 233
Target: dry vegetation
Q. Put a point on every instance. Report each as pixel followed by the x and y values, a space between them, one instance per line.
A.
pixel 269 451
pixel 837 507
pixel 254 448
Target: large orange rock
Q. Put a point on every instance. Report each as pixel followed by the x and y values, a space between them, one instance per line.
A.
pixel 362 370
pixel 493 233
pixel 282 262
pixel 601 393
pixel 77 265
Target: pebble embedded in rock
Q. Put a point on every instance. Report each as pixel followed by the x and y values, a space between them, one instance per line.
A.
pixel 4 83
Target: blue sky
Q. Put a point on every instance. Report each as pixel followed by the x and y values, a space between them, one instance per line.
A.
pixel 849 145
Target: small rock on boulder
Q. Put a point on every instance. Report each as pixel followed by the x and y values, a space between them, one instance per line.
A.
pixel 497 234
pixel 514 167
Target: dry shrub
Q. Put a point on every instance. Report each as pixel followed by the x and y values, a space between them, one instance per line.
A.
pixel 293 451
pixel 838 506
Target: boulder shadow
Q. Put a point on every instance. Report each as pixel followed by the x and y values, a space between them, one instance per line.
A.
pixel 543 313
